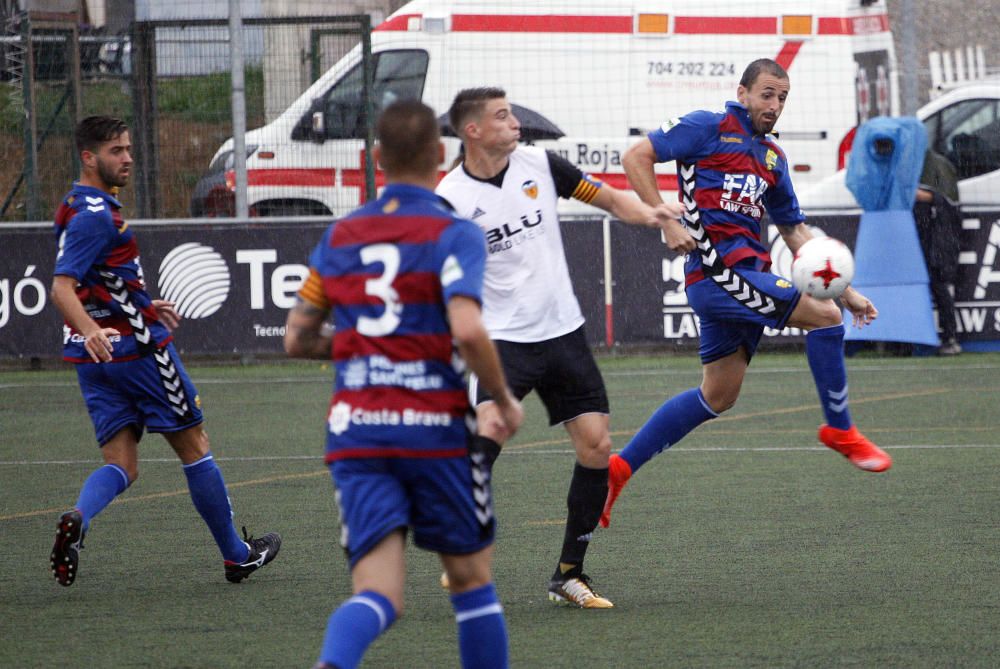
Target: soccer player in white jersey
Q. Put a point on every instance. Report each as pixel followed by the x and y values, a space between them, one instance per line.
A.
pixel 529 307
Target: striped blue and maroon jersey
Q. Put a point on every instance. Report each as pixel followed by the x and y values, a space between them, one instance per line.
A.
pixel 728 176
pixel 99 250
pixel 387 272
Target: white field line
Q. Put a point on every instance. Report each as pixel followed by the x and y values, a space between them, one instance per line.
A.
pixel 328 377
pixel 523 452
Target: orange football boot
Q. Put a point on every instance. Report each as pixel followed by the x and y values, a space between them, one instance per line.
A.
pixel 853 445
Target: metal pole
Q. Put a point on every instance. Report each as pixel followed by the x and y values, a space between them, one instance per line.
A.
pixel 368 69
pixel 145 138
pixel 908 57
pixel 32 204
pixel 239 108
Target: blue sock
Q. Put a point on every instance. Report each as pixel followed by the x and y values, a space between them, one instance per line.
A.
pixel 482 631
pixel 208 492
pixel 825 351
pixel 353 626
pixel 668 425
pixel 103 485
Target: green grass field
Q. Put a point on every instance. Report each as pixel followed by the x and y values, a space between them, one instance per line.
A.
pixel 747 545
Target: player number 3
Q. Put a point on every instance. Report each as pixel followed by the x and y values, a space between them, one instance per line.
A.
pixel 381 287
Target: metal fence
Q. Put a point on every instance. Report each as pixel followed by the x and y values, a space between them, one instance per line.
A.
pixel 170 80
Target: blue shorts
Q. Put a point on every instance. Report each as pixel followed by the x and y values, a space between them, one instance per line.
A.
pixel 736 306
pixel 149 393
pixel 436 497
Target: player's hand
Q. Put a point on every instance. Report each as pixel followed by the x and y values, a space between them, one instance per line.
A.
pixel 510 417
pixel 677 237
pixel 167 313
pixel 861 307
pixel 98 344
pixel 668 211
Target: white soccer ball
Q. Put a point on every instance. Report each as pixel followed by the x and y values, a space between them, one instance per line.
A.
pixel 823 268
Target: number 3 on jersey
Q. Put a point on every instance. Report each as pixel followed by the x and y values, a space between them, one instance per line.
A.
pixel 381 287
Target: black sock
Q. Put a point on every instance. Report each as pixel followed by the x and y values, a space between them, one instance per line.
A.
pixel 587 492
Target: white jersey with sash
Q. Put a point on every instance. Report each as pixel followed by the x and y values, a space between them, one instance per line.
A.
pixel 527 293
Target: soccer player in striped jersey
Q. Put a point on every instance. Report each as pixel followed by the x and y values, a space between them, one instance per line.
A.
pixel 529 306
pixel 402 277
pixel 731 170
pixel 120 341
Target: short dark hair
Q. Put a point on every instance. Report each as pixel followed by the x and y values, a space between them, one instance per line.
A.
pixel 93 131
pixel 408 135
pixel 758 67
pixel 469 102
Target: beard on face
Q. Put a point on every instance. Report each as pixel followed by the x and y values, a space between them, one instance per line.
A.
pixel 764 125
pixel 109 176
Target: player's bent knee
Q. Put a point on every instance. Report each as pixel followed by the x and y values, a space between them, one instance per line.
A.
pixel 720 402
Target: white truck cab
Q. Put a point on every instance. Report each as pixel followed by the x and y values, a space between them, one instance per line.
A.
pixel 604 73
pixel 964 126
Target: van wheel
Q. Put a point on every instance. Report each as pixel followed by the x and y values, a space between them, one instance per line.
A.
pixel 289 208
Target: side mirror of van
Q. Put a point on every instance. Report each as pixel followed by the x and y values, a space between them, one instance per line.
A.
pixel 312 125
pixel 318 126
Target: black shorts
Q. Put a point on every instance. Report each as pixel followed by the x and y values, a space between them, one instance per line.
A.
pixel 562 371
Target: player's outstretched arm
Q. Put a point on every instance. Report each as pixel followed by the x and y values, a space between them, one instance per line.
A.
pixel 795 236
pixel 95 338
pixel 480 355
pixel 306 332
pixel 665 216
pixel 639 162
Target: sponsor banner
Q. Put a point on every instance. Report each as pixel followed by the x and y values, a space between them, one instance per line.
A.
pixel 650 306
pixel 234 284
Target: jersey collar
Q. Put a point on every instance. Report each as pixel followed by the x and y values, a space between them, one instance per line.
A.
pixel 79 189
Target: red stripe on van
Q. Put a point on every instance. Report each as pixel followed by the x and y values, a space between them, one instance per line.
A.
pixel 788 52
pixel 857 25
pixel 620 181
pixel 690 25
pixel 530 23
pixel 356 178
pixel 401 22
pixel 290 177
pixel 726 25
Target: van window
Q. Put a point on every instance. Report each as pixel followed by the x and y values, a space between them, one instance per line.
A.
pixel 399 75
pixel 968 133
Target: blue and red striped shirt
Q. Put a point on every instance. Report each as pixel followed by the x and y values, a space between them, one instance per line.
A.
pixel 387 272
pixel 99 250
pixel 732 175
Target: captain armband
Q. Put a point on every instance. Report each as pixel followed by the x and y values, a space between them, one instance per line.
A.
pixel 312 292
pixel 587 189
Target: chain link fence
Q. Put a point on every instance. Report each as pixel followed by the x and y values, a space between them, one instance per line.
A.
pixel 169 80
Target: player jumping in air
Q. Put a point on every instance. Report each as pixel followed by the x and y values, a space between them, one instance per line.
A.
pixel 730 171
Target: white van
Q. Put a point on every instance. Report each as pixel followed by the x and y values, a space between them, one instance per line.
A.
pixel 603 72
pixel 964 126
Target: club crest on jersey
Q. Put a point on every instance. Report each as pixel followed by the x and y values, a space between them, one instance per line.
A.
pixel 530 188
pixel 781 283
pixel 771 159
pixel 390 206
